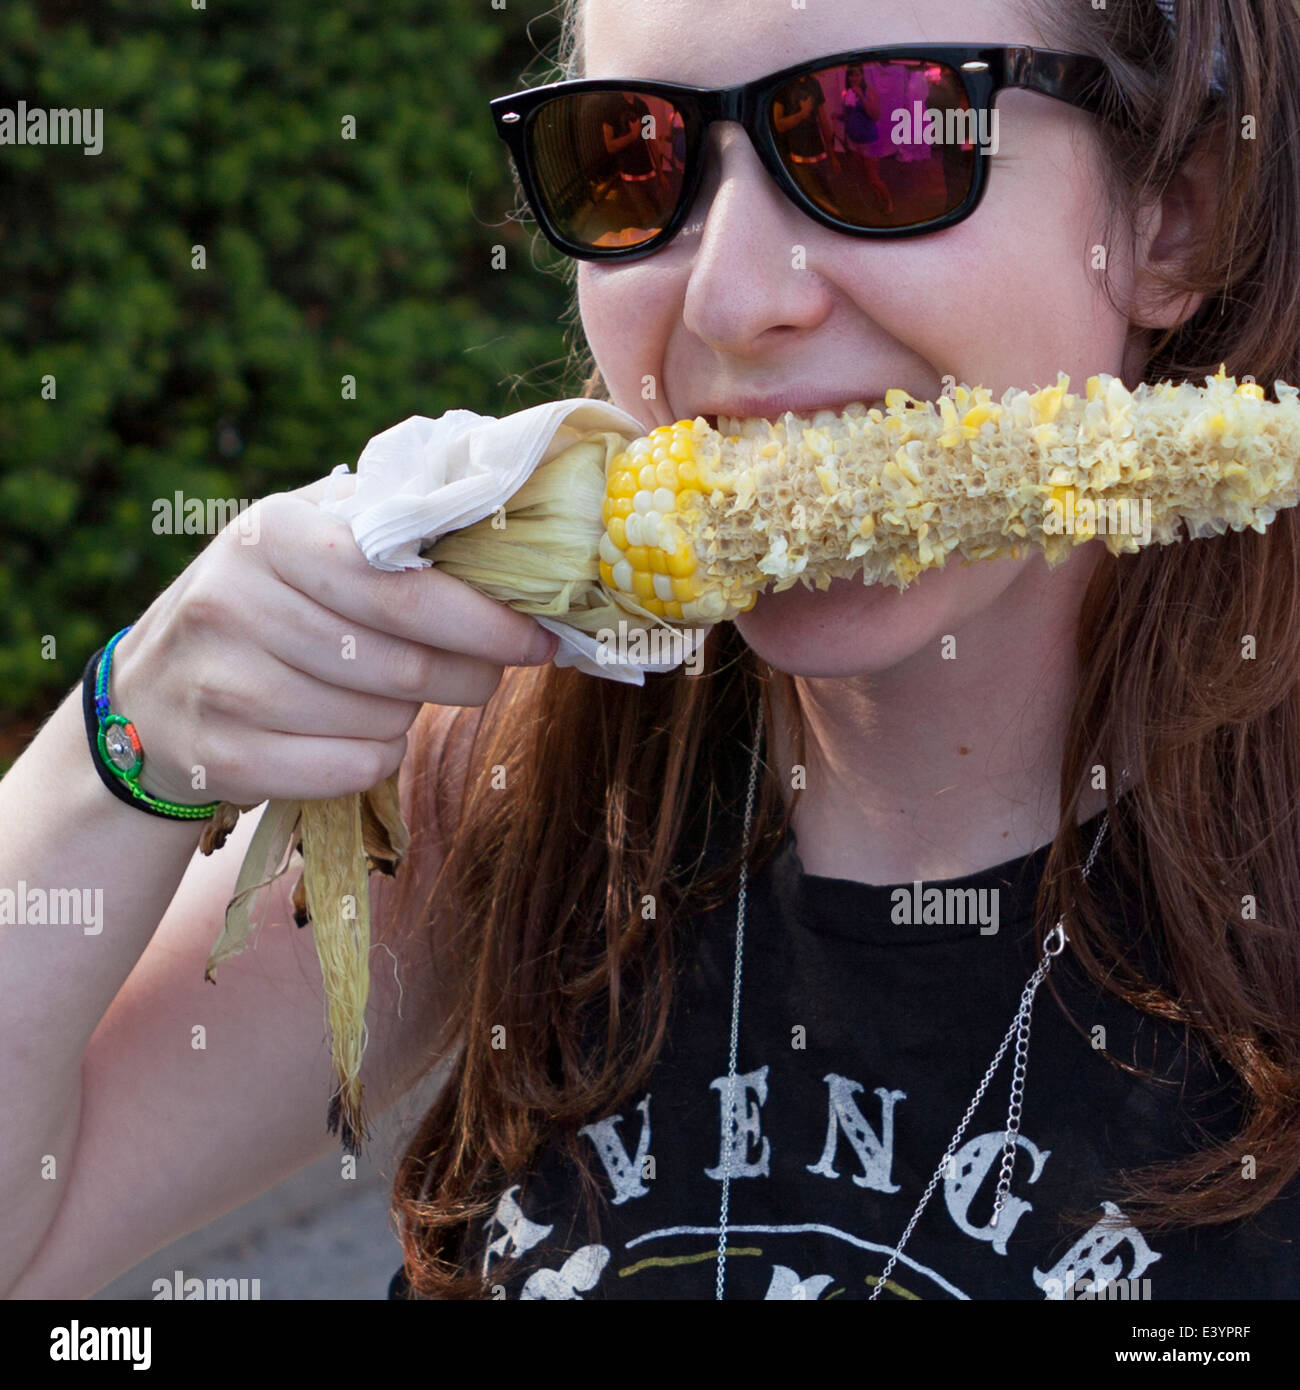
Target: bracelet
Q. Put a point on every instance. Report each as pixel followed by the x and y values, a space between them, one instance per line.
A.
pixel 115 746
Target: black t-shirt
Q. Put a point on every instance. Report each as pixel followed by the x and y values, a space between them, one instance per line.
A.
pixel 805 138
pixel 863 1037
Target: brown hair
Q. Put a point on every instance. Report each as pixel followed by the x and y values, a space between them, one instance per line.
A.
pixel 607 785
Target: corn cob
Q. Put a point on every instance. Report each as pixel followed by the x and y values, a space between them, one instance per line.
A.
pixel 694 524
pixel 698 523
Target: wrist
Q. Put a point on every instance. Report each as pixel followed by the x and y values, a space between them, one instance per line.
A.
pixel 118 748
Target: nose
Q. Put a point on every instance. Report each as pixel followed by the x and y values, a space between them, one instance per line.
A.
pixel 751 268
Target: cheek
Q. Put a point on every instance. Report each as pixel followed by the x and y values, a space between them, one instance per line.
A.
pixel 628 314
pixel 1016 293
pixel 852 629
pixel 1004 321
pixel 1047 308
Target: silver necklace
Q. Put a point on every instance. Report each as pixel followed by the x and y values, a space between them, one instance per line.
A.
pixel 1053 945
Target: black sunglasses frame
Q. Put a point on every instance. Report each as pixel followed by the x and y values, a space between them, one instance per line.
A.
pixel 1080 80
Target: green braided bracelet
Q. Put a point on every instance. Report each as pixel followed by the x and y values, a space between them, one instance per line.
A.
pixel 116 745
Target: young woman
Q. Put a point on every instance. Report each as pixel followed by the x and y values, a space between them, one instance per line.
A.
pixel 708 1032
pixel 860 108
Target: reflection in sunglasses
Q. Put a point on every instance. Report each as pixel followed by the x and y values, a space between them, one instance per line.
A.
pixel 860 141
pixel 625 181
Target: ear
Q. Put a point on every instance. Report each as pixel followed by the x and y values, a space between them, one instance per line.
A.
pixel 1167 232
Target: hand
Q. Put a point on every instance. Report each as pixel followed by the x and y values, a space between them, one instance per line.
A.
pixel 292 668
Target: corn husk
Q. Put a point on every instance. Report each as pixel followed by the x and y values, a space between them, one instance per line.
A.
pixel 541 557
pixel 338 841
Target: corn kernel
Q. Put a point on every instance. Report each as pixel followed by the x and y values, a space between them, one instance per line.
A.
pixel 682 562
pixel 977 415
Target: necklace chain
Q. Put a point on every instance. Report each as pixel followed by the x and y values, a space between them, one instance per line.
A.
pixel 1054 944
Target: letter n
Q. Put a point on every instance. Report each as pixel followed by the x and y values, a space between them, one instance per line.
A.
pixel 876 1155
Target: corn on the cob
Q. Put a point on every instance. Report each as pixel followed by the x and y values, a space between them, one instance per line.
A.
pixel 698 524
pixel 695 524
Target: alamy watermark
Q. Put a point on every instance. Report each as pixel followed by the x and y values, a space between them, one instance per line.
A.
pixel 53 907
pixel 660 646
pixel 1097 1290
pixel 24 125
pixel 950 126
pixel 1098 516
pixel 193 1289
pixel 919 906
pixel 179 515
pixel 73 1342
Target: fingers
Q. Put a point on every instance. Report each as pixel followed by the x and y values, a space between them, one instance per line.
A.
pixel 306 767
pixel 317 642
pixel 348 700
pixel 318 556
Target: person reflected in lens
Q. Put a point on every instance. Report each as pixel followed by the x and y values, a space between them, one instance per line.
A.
pixel 889 81
pixel 926 87
pixel 804 137
pixel 860 114
pixel 628 129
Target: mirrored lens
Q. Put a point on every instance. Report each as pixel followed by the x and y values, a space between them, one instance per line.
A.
pixel 608 165
pixel 884 144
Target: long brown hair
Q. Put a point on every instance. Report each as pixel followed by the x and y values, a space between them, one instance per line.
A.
pixel 583 798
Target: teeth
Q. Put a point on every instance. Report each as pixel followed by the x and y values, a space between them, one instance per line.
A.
pixel 734 424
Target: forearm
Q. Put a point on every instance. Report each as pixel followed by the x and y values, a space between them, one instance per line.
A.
pixel 84 882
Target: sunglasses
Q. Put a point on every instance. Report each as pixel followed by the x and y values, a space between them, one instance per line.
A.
pixel 878 142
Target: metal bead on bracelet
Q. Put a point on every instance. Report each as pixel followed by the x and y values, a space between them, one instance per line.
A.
pixel 115 745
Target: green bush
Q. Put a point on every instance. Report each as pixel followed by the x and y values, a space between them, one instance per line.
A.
pixel 326 257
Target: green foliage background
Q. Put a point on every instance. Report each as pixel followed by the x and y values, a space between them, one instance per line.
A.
pixel 325 256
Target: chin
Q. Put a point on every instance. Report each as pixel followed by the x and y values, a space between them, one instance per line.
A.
pixel 854 629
